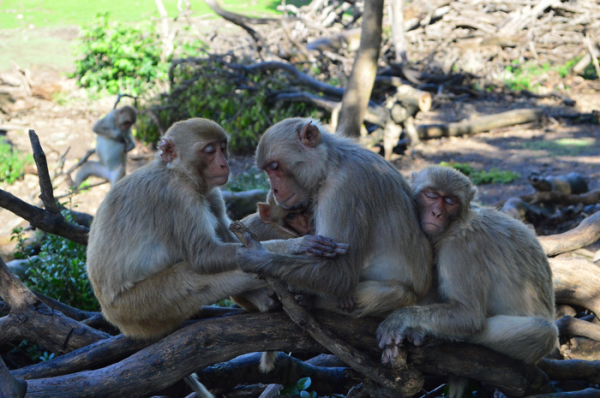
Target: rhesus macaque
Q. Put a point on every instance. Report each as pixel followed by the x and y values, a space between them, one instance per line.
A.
pixel 160 248
pixel 356 198
pixel 113 142
pixel 495 283
pixel 291 223
pixel 572 183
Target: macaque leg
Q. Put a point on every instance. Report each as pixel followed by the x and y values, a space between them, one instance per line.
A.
pixel 116 174
pixel 159 304
pixel 528 339
pixel 373 298
pixel 88 169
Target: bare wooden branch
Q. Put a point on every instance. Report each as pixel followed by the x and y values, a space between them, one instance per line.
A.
pixel 10 387
pixel 479 125
pixel 573 327
pixel 576 282
pixel 573 369
pixel 584 234
pixel 361 80
pixel 587 393
pixel 406 382
pixel 47 194
pixel 559 198
pixel 81 161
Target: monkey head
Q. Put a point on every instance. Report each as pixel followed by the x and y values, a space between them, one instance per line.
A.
pixel 293 154
pixel 293 223
pixel 442 195
pixel 197 148
pixel 126 117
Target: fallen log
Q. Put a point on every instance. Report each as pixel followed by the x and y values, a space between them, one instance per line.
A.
pixel 480 124
pixel 583 235
pixel 571 369
pixel 10 387
pixel 588 198
pixel 573 327
pixel 587 393
pixel 205 343
pixel 576 282
pixel 581 348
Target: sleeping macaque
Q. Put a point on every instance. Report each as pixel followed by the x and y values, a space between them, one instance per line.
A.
pixel 160 248
pixel 495 283
pixel 355 197
pixel 572 183
pixel 113 142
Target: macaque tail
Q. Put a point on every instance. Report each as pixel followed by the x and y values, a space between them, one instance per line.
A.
pixel 194 383
pixel 267 361
pixel 457 386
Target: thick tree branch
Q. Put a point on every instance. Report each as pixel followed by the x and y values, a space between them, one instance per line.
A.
pixel 576 282
pixel 360 84
pixel 9 386
pixel 585 234
pixel 573 327
pixel 572 369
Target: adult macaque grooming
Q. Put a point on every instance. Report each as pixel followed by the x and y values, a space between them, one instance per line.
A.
pixel 495 283
pixel 356 198
pixel 160 247
pixel 113 142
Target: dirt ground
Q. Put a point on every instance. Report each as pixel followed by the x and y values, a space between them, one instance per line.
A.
pixel 62 115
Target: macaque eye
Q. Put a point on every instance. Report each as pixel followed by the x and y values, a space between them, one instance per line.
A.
pixel 431 195
pixel 273 166
pixel 209 148
pixel 291 216
pixel 450 201
pixel 223 146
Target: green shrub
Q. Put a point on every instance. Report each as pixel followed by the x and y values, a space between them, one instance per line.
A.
pixel 237 102
pixel 12 164
pixel 480 177
pixel 251 179
pixel 119 58
pixel 59 270
pixel 298 389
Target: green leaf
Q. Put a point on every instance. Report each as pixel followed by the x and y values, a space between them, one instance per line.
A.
pixel 304 383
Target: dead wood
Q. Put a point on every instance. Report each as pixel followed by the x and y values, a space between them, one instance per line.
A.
pixel 581 348
pixel 480 124
pixel 583 235
pixel 48 220
pixel 573 327
pixel 204 343
pixel 31 319
pixel 405 381
pixel 576 282
pixel 571 369
pixel 559 198
pixel 10 387
pixel 244 370
pixel 411 96
pixel 360 83
pixel 587 393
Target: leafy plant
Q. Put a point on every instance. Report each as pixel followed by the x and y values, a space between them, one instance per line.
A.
pixel 117 57
pixel 59 270
pixel 298 389
pixel 251 179
pixel 479 177
pixel 12 164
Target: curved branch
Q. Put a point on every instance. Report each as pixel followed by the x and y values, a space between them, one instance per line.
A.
pixel 573 327
pixel 576 282
pixel 9 386
pixel 584 234
pixel 571 369
pixel 239 19
pixel 588 198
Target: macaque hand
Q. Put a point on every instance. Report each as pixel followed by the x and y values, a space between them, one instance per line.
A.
pixel 319 246
pixel 391 334
pixel 346 304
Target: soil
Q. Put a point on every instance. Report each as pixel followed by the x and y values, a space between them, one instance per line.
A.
pixel 62 115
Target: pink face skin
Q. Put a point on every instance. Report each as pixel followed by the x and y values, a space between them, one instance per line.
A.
pixel 301 222
pixel 437 210
pixel 282 189
pixel 214 165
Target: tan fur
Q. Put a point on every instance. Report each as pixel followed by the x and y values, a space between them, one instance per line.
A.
pixel 495 283
pixel 113 142
pixel 356 198
pixel 159 246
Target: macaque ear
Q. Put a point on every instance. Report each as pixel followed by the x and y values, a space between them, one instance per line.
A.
pixel 264 211
pixel 310 135
pixel 168 153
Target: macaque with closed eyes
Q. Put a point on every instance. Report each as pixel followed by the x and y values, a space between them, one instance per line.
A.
pixel 113 141
pixel 495 283
pixel 356 198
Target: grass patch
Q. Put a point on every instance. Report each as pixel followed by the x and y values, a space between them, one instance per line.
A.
pixel 53 13
pixel 560 147
pixel 480 177
pixel 12 163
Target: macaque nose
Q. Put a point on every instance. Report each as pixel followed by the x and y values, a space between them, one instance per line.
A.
pixel 275 191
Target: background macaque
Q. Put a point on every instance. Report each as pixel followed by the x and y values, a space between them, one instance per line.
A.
pixel 356 198
pixel 572 183
pixel 495 283
pixel 113 142
pixel 160 247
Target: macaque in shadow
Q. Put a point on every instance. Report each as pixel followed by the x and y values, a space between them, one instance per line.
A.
pixel 493 277
pixel 113 141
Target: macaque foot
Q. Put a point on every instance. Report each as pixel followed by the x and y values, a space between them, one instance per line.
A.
pixel 391 335
pixel 346 304
pixel 319 246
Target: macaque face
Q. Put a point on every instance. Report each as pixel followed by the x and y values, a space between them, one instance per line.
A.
pixel 213 166
pixel 287 192
pixel 301 222
pixel 437 210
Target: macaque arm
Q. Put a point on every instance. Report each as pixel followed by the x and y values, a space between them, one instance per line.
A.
pixel 106 127
pixel 128 138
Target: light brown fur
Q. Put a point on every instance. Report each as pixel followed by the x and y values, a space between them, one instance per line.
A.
pixel 495 283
